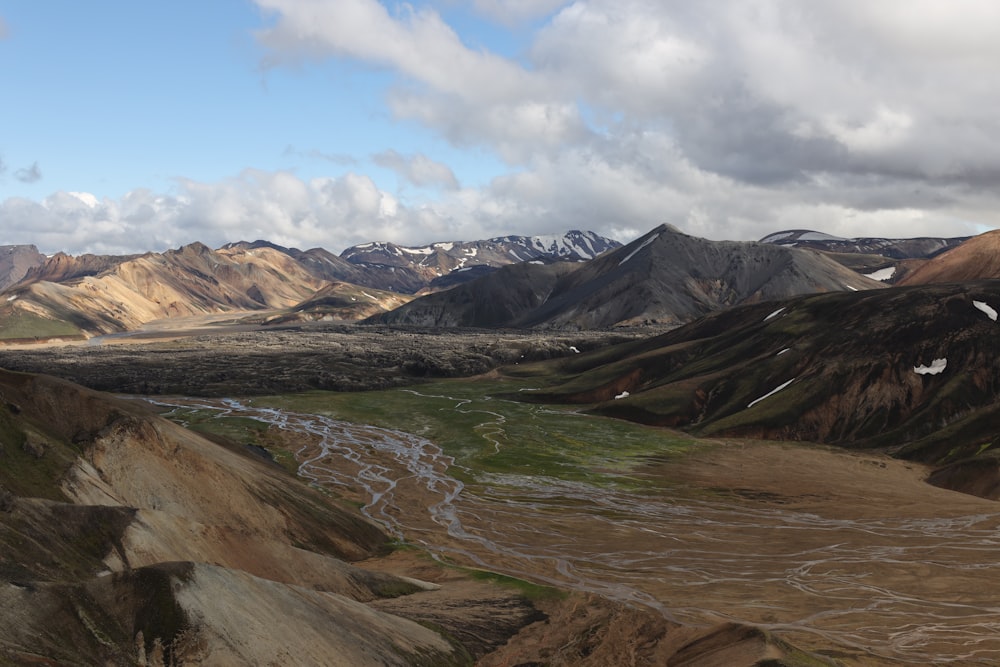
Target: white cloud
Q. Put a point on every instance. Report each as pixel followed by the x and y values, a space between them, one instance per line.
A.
pixel 730 119
pixel 419 170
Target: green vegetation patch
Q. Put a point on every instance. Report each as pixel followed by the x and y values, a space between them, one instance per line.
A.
pixel 528 590
pixel 489 434
pixel 18 324
pixel 31 465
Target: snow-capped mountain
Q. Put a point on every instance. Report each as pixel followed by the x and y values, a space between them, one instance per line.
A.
pixel 439 259
pixel 663 277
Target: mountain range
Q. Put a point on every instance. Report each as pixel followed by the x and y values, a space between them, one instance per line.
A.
pixel 78 297
pixel 575 281
pixel 910 370
pixel 664 277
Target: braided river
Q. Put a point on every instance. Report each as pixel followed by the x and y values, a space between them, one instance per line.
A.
pixel 838 552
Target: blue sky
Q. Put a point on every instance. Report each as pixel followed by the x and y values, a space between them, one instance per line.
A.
pixel 131 126
pixel 121 94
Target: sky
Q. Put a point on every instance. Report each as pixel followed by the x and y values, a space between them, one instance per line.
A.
pixel 140 126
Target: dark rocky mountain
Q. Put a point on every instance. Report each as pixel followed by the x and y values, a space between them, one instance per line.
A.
pixel 500 299
pixel 452 258
pixel 15 261
pixel 664 277
pixel 912 369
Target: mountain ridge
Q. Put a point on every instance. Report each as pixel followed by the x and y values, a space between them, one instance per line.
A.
pixel 663 277
pixel 66 297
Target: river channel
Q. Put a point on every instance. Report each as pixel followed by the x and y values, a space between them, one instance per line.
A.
pixel 914 584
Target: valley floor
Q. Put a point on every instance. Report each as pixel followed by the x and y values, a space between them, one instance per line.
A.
pixel 848 554
pixel 851 555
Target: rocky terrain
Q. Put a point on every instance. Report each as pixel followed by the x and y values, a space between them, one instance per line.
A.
pixel 240 360
pixel 665 277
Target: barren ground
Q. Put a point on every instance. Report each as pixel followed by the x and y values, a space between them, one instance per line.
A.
pixel 212 356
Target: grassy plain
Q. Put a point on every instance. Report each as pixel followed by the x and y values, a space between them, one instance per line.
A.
pixel 24 325
pixel 489 434
pixel 482 432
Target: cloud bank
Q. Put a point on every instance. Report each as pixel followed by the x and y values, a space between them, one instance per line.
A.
pixel 728 119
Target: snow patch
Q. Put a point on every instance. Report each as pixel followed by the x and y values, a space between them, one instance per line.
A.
pixel 775 313
pixel 572 348
pixel 447 246
pixel 819 236
pixel 418 251
pixel 12 297
pixel 770 393
pixel 536 261
pixel 882 274
pixel 985 307
pixel 783 351
pixel 370 296
pixel 853 289
pixel 624 394
pixel 644 244
pixel 772 238
pixel 937 366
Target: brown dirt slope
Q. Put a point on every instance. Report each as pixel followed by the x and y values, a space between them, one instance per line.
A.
pixel 126 538
pixel 976 259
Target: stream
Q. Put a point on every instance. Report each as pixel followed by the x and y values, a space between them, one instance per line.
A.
pixel 920 591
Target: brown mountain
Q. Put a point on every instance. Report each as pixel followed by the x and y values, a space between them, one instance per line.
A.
pixel 128 540
pixel 975 259
pixel 17 260
pixel 62 267
pixel 327 266
pixel 337 301
pixel 192 280
pixel 664 277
